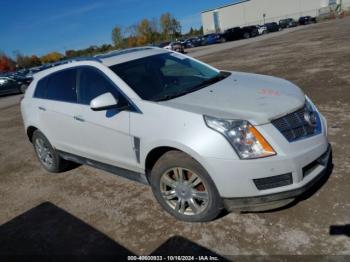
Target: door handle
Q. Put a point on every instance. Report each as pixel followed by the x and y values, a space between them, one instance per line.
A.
pixel 79 118
pixel 42 108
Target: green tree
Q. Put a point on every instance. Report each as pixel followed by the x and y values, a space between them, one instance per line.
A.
pixel 117 37
pixel 201 31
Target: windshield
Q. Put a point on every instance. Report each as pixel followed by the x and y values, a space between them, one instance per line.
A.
pixel 166 76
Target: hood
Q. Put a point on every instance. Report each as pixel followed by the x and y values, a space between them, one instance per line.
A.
pixel 256 98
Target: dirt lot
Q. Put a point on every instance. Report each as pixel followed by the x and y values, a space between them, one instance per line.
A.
pixel 317 58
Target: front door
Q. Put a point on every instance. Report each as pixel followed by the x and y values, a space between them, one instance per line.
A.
pixel 105 135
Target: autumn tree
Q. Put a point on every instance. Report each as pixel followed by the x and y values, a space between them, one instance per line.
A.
pixel 170 26
pixel 22 61
pixel 165 24
pixel 105 48
pixel 6 63
pixel 154 31
pixel 51 57
pixel 131 36
pixel 34 61
pixel 117 37
pixel 144 32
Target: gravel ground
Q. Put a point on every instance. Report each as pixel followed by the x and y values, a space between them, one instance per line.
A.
pixel 317 58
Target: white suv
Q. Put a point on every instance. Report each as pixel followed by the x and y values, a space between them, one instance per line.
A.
pixel 203 139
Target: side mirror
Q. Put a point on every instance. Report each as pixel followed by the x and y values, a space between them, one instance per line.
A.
pixel 104 102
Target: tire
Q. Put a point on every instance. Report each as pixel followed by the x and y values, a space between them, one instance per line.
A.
pixel 197 203
pixel 23 89
pixel 47 155
pixel 246 35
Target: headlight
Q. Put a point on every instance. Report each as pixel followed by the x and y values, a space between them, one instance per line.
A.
pixel 312 116
pixel 310 105
pixel 244 138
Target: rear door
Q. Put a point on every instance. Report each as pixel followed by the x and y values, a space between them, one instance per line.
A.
pixel 57 106
pixel 105 135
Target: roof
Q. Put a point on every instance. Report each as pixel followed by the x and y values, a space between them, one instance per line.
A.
pixel 223 6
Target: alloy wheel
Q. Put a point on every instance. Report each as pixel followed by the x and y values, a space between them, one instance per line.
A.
pixel 44 152
pixel 184 191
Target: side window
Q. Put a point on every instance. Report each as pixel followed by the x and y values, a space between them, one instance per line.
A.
pixel 62 86
pixel 92 84
pixel 41 88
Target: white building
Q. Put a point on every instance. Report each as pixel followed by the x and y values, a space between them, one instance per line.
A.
pixel 252 12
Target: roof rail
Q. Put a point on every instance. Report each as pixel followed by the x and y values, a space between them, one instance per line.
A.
pixel 77 59
pixel 98 58
pixel 124 51
pixel 71 60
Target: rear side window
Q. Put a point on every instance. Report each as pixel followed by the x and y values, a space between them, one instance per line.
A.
pixel 92 83
pixel 61 86
pixel 41 88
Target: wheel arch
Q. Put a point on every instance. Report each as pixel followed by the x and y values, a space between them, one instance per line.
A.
pixel 30 132
pixel 156 152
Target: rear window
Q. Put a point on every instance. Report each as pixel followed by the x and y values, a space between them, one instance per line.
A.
pixel 41 88
pixel 61 86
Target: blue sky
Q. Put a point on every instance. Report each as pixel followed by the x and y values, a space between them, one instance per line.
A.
pixel 42 26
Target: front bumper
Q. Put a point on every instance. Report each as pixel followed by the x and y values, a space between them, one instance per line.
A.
pixel 276 200
pixel 236 178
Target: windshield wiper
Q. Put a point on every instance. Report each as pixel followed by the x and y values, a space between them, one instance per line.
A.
pixel 210 81
pixel 213 80
pixel 168 97
pixel 205 83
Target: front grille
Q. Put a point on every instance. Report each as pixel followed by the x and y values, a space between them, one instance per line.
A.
pixel 294 125
pixel 273 182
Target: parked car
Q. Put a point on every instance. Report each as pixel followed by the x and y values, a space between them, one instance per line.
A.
pixel 287 23
pixel 305 20
pixel 211 39
pixel 161 45
pixel 250 31
pixel 262 29
pixel 191 42
pixel 10 86
pixel 272 27
pixel 232 34
pixel 175 46
pixel 34 70
pixel 22 81
pixel 199 136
